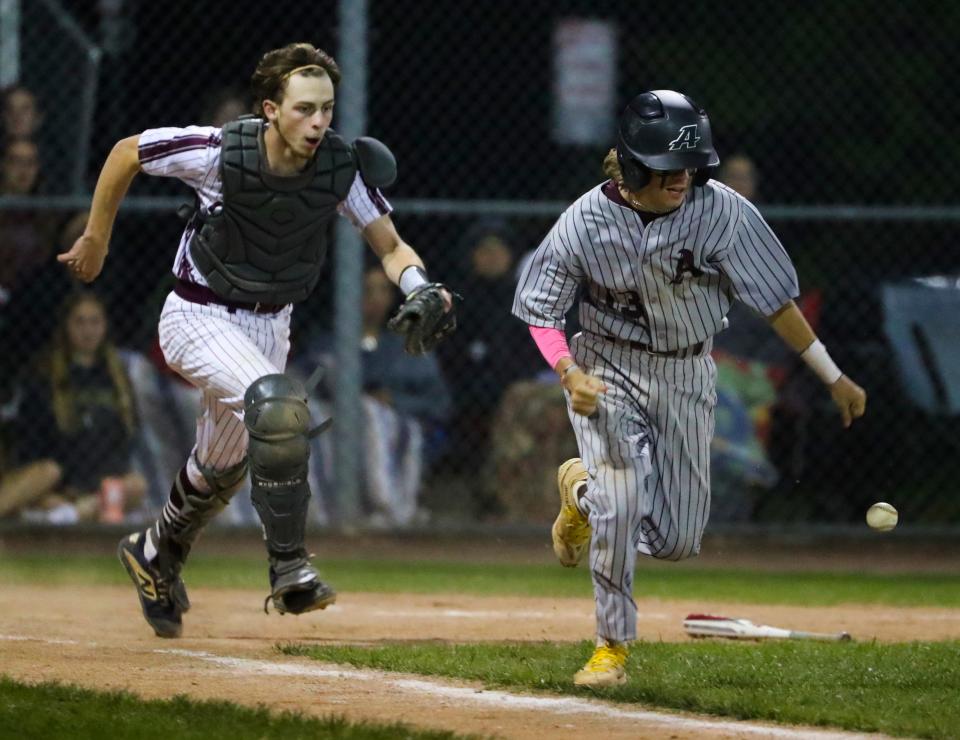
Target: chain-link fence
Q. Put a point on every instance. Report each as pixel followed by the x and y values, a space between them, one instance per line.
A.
pixel 835 118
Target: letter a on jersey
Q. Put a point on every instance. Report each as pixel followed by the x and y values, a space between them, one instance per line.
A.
pixel 687 139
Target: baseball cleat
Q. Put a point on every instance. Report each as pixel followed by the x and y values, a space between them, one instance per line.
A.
pixel 606 667
pixel 571 530
pixel 296 588
pixel 163 597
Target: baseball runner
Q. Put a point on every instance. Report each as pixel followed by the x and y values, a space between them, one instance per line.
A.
pixel 267 188
pixel 657 255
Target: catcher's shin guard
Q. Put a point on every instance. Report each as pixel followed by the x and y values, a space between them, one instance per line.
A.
pixel 278 420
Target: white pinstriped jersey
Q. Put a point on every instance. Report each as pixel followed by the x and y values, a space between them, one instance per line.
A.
pixel 669 283
pixel 192 154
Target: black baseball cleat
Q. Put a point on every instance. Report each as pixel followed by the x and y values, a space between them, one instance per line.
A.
pixel 163 597
pixel 296 588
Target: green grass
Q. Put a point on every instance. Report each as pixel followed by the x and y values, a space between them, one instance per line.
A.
pixel 355 575
pixel 901 689
pixel 52 710
pixel 898 689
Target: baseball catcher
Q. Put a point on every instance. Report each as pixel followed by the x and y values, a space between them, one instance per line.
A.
pixel 268 187
pixel 426 317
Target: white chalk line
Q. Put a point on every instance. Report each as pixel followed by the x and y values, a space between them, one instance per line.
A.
pixel 488 698
pixel 502 699
pixel 47 640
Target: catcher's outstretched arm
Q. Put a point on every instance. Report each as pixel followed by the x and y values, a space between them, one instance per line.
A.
pixel 396 256
pixel 426 316
pixel 394 253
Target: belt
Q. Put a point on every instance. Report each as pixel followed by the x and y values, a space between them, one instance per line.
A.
pixel 206 297
pixel 692 351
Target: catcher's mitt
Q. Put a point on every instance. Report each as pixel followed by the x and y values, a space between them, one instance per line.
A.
pixel 423 320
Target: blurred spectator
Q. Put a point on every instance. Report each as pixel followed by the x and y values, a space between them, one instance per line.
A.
pixel 405 404
pixel 167 409
pixel 489 351
pixel 740 173
pixel 167 406
pixel 26 241
pixel 25 235
pixel 754 381
pixel 21 113
pixel 750 370
pixel 32 283
pixel 21 168
pixel 76 427
pixel 224 105
pixel 530 431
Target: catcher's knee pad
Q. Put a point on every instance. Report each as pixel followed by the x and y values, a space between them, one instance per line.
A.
pixel 278 421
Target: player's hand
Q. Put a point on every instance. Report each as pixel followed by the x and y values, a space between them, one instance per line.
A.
pixel 583 390
pixel 850 398
pixel 85 258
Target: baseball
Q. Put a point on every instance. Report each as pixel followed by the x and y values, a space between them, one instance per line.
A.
pixel 882 517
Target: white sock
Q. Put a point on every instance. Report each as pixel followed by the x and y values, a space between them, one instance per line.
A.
pixel 578 493
pixel 149 548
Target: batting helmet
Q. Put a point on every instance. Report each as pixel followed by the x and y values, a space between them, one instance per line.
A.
pixel 664 130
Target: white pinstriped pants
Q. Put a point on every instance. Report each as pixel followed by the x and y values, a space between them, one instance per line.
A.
pixel 222 353
pixel 647 453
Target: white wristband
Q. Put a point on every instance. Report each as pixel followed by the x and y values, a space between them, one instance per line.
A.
pixel 411 278
pixel 819 361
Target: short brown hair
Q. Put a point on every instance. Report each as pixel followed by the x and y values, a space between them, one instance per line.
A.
pixel 611 167
pixel 270 77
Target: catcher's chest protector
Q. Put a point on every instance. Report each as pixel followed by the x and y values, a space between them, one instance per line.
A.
pixel 268 242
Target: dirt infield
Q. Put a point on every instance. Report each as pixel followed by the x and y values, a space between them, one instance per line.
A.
pixel 94 636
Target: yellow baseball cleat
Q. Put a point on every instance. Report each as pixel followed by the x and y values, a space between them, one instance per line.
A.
pixel 571 530
pixel 606 667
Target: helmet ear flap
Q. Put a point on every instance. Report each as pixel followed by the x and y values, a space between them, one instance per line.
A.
pixel 635 174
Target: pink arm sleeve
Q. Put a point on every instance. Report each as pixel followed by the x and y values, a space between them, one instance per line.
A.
pixel 551 343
